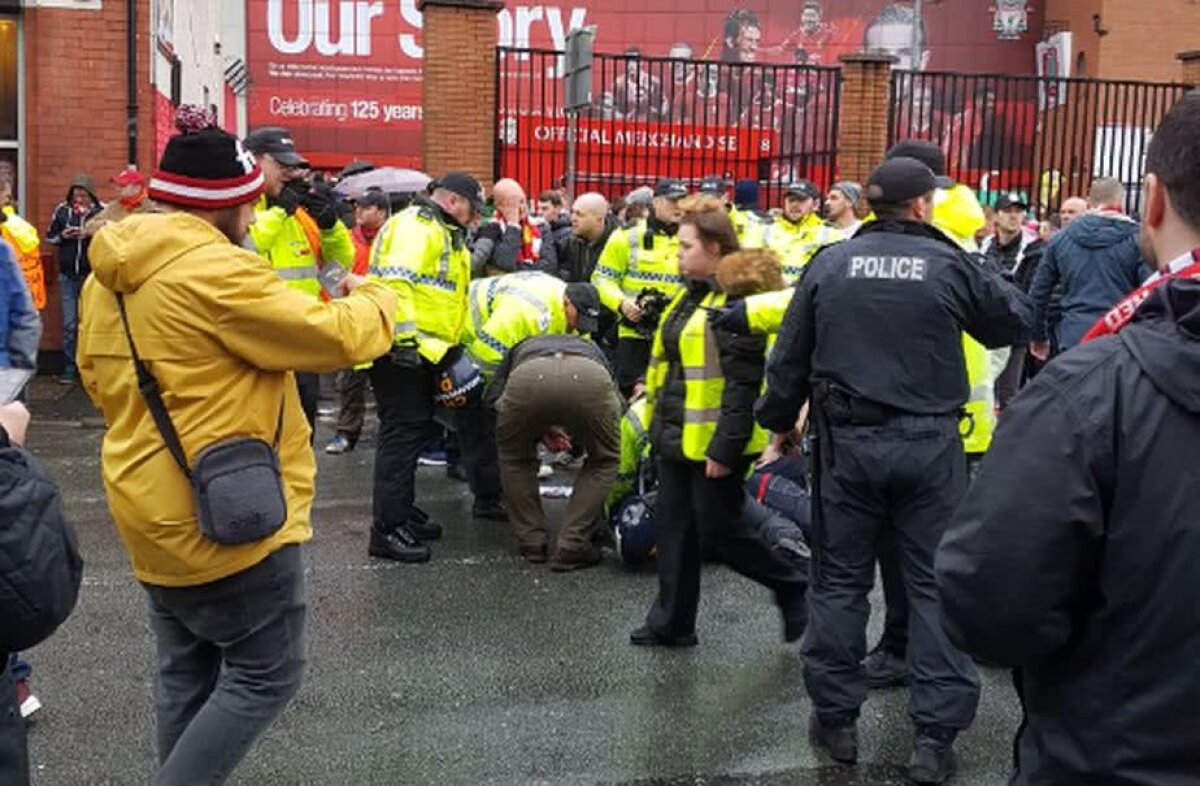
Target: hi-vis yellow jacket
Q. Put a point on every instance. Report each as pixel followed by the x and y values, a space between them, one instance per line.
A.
pixel 297 248
pixel 424 258
pixel 635 259
pixel 506 310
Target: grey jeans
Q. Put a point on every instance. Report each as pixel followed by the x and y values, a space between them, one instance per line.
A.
pixel 230 658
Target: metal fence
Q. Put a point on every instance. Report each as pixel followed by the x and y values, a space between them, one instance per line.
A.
pixel 654 117
pixel 1044 137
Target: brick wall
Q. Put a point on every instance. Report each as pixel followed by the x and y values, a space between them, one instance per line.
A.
pixel 863 130
pixel 75 107
pixel 1190 70
pixel 1143 37
pixel 458 131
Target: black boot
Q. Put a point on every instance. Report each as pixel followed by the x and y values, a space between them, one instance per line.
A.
pixel 645 636
pixel 422 528
pixel 398 545
pixel 840 742
pixel 933 759
pixel 885 669
pixel 491 508
pixel 794 610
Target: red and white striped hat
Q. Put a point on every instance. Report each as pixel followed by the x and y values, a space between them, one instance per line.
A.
pixel 204 167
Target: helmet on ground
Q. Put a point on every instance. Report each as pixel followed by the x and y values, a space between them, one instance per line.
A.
pixel 457 382
pixel 634 529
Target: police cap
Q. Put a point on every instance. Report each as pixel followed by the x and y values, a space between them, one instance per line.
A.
pixel 899 180
pixel 670 188
pixel 803 189
pixel 465 186
pixel 277 143
pixel 714 185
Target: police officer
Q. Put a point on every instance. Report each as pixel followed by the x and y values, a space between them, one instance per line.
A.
pixel 422 254
pixel 885 394
pixel 745 223
pixel 643 257
pixel 700 389
pixel 297 228
pixel 798 232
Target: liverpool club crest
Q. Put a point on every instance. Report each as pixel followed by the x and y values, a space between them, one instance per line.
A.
pixel 1010 19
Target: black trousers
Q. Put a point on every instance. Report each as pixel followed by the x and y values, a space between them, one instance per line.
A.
pixel 14 757
pixel 475 435
pixel 633 356
pixel 309 387
pixel 906 477
pixel 693 512
pixel 404 400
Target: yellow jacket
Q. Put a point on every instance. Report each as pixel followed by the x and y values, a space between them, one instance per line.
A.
pixel 297 248
pixel 425 260
pixel 635 259
pixel 797 243
pixel 507 309
pixel 23 237
pixel 222 334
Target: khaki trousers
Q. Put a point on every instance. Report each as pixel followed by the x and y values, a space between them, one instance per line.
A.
pixel 578 394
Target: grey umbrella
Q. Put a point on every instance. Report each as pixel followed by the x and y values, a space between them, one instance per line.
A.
pixel 388 179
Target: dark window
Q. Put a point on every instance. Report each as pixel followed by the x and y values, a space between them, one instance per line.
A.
pixel 8 79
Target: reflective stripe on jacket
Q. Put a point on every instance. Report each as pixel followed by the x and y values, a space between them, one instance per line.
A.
pixel 427 263
pixel 506 310
pixel 297 248
pixel 627 266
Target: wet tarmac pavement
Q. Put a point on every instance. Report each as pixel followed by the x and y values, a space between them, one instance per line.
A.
pixel 475 668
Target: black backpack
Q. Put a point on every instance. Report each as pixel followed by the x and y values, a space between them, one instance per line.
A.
pixel 40 566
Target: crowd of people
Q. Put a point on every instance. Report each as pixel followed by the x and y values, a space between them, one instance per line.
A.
pixel 997 414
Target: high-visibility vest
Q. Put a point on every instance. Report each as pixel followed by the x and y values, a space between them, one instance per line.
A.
pixel 633 260
pixel 797 244
pixel 428 264
pixel 23 237
pixel 704 381
pixel 957 212
pixel 297 248
pixel 506 310
pixel 635 447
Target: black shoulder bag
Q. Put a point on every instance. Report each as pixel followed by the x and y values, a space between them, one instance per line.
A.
pixel 236 483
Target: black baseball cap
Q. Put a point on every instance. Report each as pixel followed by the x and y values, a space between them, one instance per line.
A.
pixel 899 180
pixel 714 185
pixel 928 154
pixel 803 188
pixel 1011 199
pixel 586 300
pixel 465 186
pixel 670 188
pixel 276 142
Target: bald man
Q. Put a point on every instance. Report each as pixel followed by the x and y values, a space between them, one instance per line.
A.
pixel 591 224
pixel 1071 209
pixel 511 242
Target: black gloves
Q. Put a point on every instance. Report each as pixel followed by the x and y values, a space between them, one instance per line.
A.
pixel 322 205
pixel 405 355
pixel 731 318
pixel 291 195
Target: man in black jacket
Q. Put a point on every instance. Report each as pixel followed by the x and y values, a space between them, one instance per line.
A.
pixel 1074 558
pixel 885 395
pixel 67 233
pixel 1019 252
pixel 591 224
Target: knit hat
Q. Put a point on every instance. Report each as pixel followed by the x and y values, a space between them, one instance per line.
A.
pixel 204 167
pixel 852 190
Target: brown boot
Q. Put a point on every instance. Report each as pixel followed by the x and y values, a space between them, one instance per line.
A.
pixel 535 554
pixel 565 560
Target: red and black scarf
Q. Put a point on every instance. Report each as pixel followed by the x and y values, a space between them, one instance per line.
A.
pixel 1122 314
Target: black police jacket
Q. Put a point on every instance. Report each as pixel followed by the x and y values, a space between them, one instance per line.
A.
pixel 882 315
pixel 1075 555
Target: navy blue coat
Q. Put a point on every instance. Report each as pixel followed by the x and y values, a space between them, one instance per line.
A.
pixel 1098 262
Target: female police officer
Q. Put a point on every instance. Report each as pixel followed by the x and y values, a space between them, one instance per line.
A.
pixel 701 386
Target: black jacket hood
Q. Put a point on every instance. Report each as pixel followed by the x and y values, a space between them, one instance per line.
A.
pixel 1164 339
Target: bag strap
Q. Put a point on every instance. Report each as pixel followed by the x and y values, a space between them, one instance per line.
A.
pixel 151 392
